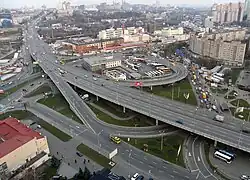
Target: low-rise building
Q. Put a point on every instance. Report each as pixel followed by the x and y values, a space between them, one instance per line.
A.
pixel 97 63
pixel 19 144
pixel 88 46
pixel 116 75
pixel 170 31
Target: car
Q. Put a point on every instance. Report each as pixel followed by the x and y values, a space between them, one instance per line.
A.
pixel 32 84
pixel 79 154
pixel 244 177
pixel 150 179
pixel 135 176
pixel 94 79
pixel 179 121
pixel 141 177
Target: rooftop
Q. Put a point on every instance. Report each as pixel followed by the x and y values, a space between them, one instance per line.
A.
pixel 96 60
pixel 91 41
pixel 14 134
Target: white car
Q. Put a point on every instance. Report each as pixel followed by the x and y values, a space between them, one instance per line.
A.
pixel 245 177
pixel 134 176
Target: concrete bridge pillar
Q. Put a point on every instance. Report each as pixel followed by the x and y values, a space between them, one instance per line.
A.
pixel 215 143
pixel 151 88
pixel 124 109
pixel 156 122
pixel 97 98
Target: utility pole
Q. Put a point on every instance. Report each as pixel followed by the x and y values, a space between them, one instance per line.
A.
pixel 162 140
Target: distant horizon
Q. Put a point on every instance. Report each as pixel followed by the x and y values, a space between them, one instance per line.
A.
pixel 53 4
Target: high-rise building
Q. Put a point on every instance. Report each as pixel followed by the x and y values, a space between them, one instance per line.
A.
pixel 226 47
pixel 227 13
pixel 208 22
pixel 247 10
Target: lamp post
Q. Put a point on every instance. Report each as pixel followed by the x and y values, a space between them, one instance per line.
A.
pixel 129 156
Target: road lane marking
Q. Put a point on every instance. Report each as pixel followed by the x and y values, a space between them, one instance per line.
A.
pixel 175 172
pixel 164 167
pixel 154 162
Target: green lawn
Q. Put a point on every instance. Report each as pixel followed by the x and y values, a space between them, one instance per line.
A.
pixel 113 108
pixel 19 114
pixel 179 89
pixel 170 147
pixel 53 130
pixel 242 103
pixel 49 172
pixel 230 95
pixel 59 104
pixel 245 114
pixel 139 120
pixel 219 90
pixel 40 90
pixel 94 155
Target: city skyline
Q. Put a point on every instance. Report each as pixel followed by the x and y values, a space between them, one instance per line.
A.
pixel 36 3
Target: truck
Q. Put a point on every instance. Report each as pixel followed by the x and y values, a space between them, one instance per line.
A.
pixel 219 118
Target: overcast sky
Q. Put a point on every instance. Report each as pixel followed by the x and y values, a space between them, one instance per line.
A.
pixel 53 3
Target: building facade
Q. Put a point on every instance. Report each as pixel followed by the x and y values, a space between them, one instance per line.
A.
pixel 227 13
pixel 19 144
pixel 218 46
pixel 171 31
pixel 208 22
pixel 119 32
pixel 247 10
pixel 98 63
pixel 96 45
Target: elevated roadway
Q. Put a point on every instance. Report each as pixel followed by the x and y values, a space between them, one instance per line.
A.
pixel 199 122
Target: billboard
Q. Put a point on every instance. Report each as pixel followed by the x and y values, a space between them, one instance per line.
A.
pixel 113 153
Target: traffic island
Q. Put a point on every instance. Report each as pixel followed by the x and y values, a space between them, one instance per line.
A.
pixel 59 104
pixel 95 156
pixel 168 148
pixel 138 121
pixel 53 130
pixel 240 103
pixel 180 91
pixel 241 114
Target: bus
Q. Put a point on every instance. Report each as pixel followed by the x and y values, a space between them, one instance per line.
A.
pixel 222 156
pixel 115 139
pixel 227 153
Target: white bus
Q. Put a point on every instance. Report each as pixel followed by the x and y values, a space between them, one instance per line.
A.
pixel 222 156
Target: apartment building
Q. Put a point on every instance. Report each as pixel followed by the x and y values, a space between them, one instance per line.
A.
pixel 219 47
pixel 227 13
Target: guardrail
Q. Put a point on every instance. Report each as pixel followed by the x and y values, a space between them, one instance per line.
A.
pixel 236 145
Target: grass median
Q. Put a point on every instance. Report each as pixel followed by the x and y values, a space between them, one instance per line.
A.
pixel 59 104
pixel 53 130
pixel 114 108
pixel 18 114
pixel 171 151
pixel 177 91
pixel 93 155
pixel 138 121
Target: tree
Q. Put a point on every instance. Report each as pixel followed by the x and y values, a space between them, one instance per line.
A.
pixel 86 174
pixel 55 162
